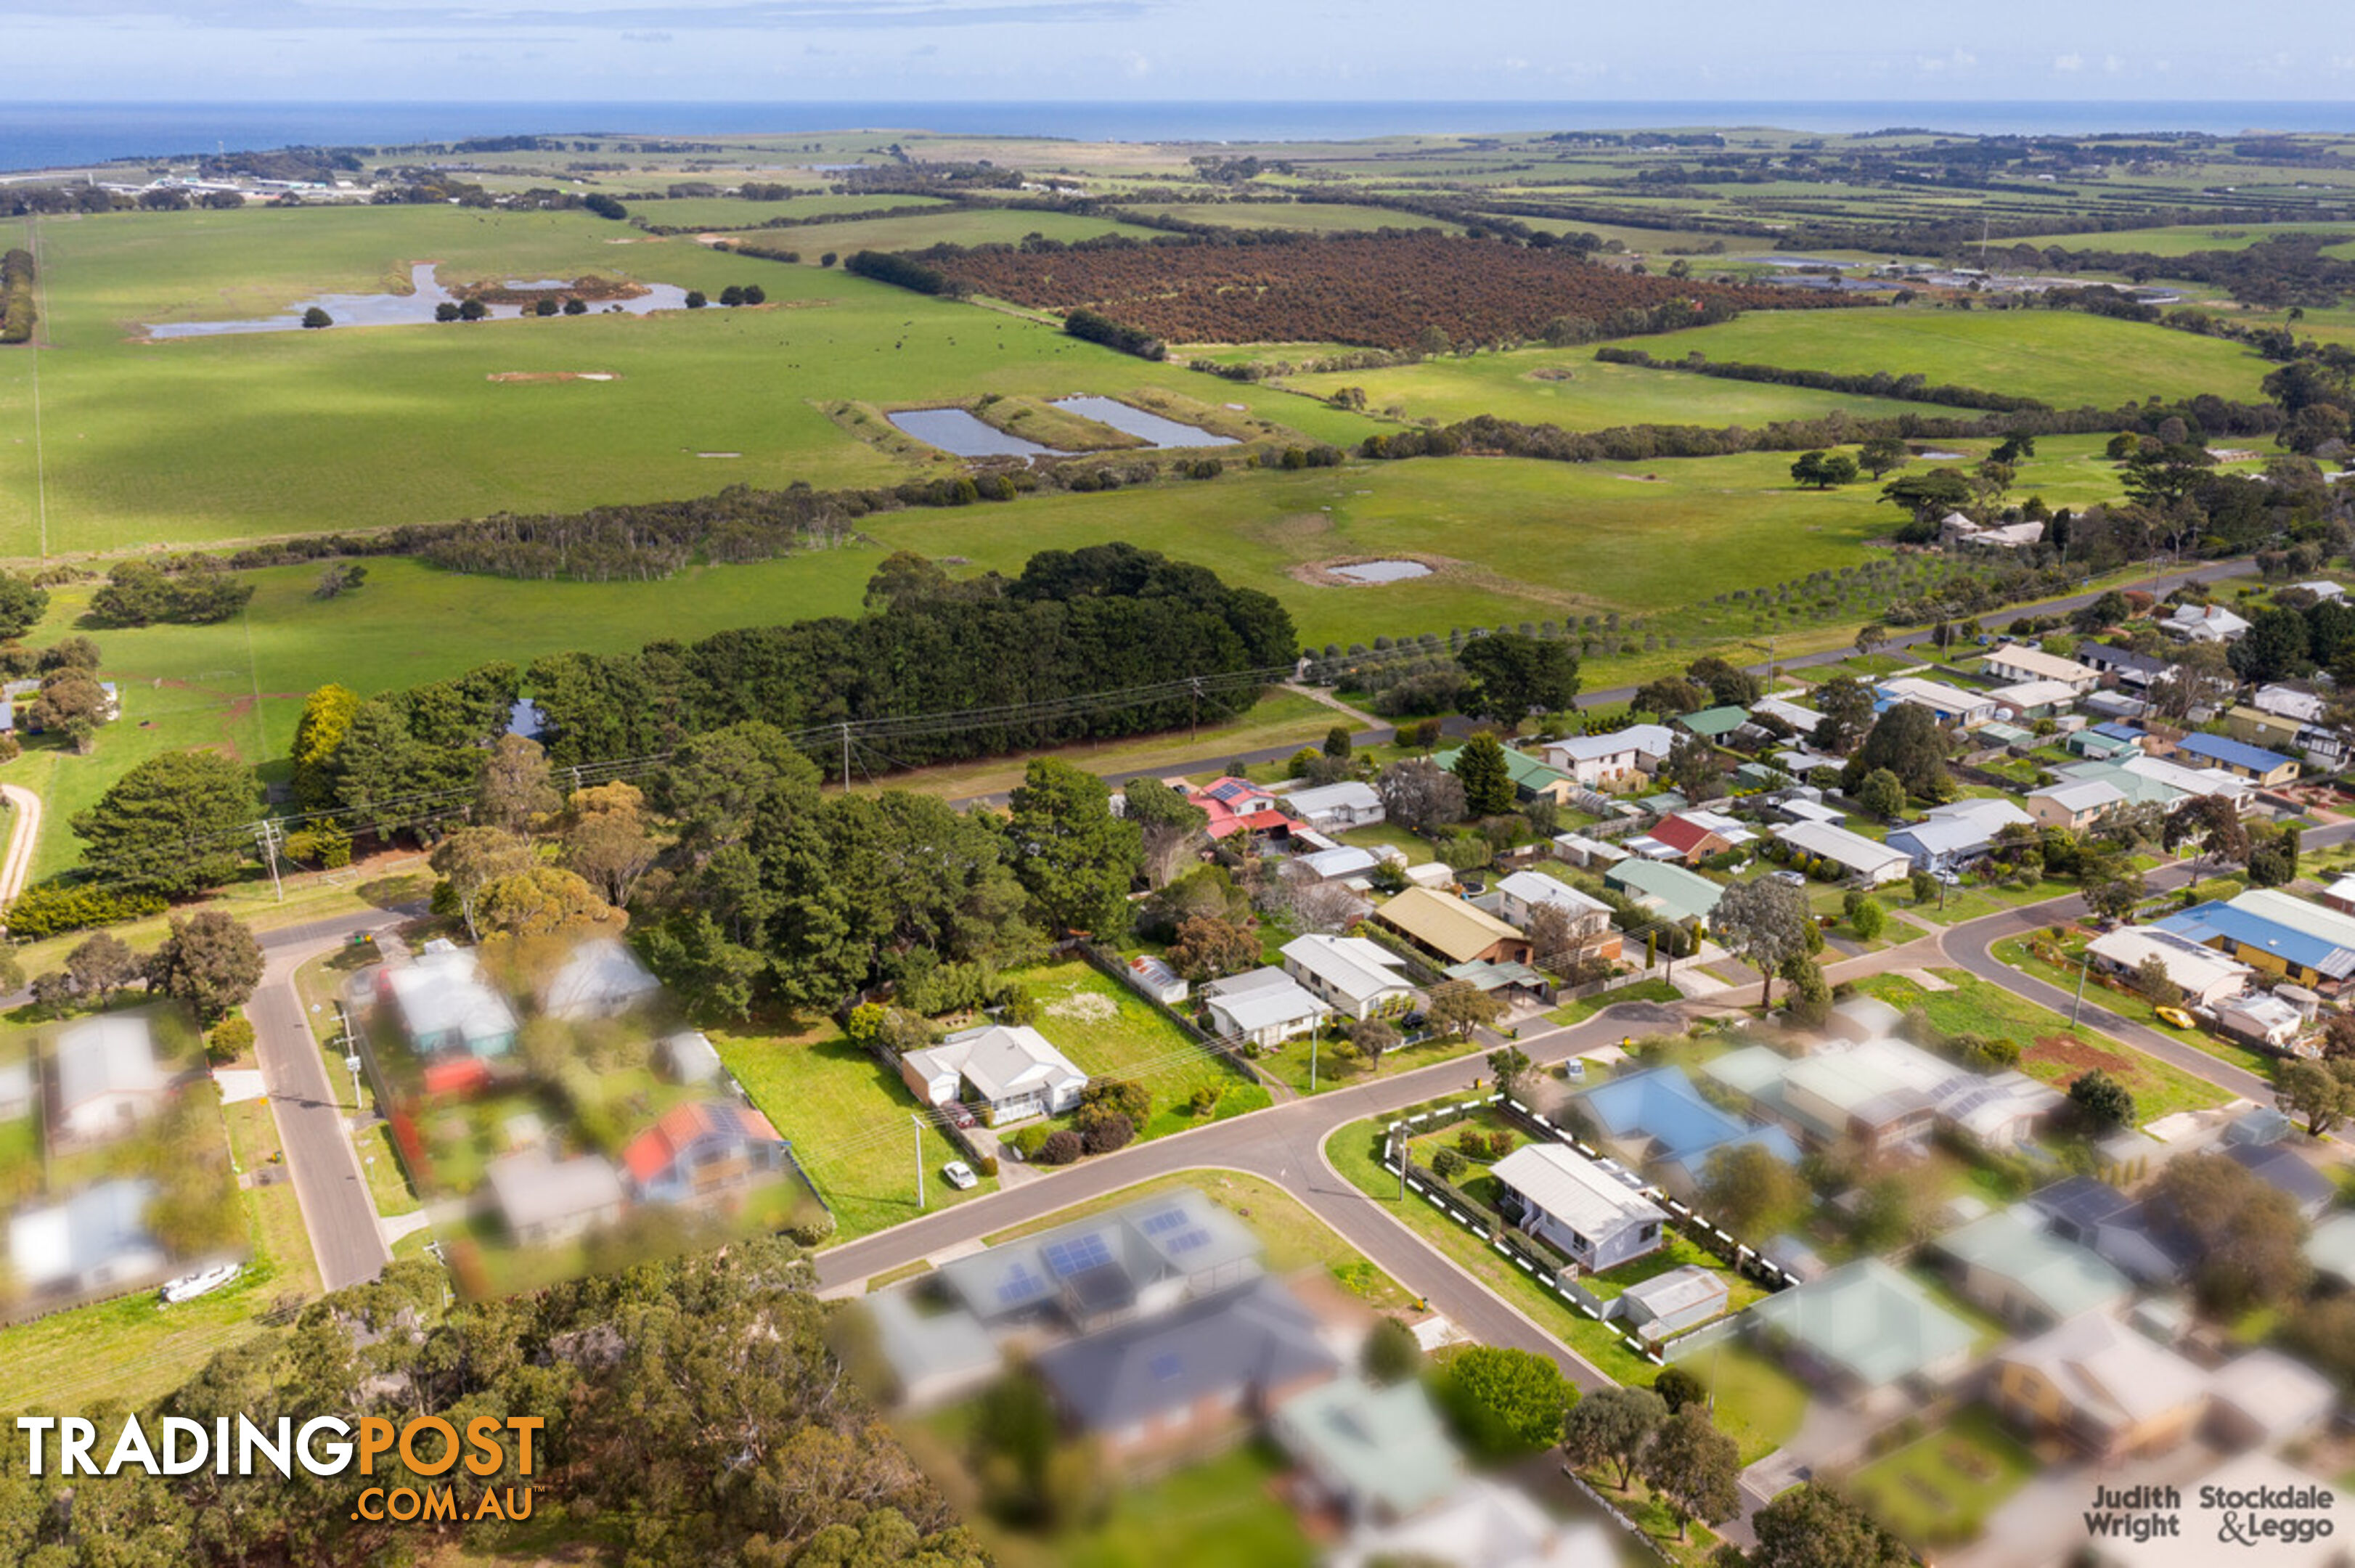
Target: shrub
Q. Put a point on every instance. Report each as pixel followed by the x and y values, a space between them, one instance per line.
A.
pixel 986 1165
pixel 1060 1147
pixel 1102 1132
pixel 49 910
pixel 1203 1100
pixel 809 1232
pixel 231 1038
pixel 1447 1164
pixel 1123 1096
pixel 1024 1141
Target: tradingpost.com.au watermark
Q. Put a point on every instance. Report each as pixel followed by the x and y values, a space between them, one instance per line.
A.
pixel 324 1446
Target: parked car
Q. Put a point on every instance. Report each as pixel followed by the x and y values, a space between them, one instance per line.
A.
pixel 959 1113
pixel 2175 1017
pixel 960 1176
pixel 188 1286
pixel 1792 879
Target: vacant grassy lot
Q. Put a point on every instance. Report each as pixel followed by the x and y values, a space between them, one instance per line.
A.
pixel 2133 1005
pixel 1108 1031
pixel 2052 1050
pixel 2063 356
pixel 851 1122
pixel 1940 1488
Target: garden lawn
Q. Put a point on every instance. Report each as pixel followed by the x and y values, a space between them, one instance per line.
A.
pixel 1939 1490
pixel 851 1121
pixel 1353 1150
pixel 1291 1061
pixel 1758 1404
pixel 1222 1511
pixel 1585 1008
pixel 1108 1031
pixel 2052 1050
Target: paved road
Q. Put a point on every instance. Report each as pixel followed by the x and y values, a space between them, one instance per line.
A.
pixel 1285 1145
pixel 337 1208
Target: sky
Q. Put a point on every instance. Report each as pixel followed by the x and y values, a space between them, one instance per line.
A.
pixel 1098 50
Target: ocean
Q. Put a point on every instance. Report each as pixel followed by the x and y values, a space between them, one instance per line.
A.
pixel 37 135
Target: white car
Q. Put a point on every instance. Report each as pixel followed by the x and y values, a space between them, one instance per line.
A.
pixel 204 1282
pixel 960 1176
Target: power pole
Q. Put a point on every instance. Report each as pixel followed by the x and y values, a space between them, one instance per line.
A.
pixel 2084 967
pixel 267 836
pixel 846 756
pixel 919 1122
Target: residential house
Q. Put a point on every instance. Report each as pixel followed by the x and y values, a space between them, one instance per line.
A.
pixel 1595 760
pixel 97 1239
pixel 1233 806
pixel 1336 807
pixel 687 1057
pixel 1532 780
pixel 1863 1330
pixel 2264 1399
pixel 1714 724
pixel 1598 1218
pixel 108 1079
pixel 2261 1020
pixel 1137 1260
pixel 1669 891
pixel 1690 841
pixel 936 1357
pixel 599 979
pixel 1955 531
pixel 2009 737
pixel 2279 1167
pixel 16 1091
pixel 1012 1070
pixel 2099 1217
pixel 1482 1523
pixel 1881 1097
pixel 2104 742
pixel 2125 666
pixel 1457 932
pixel 1347 864
pixel 2305 712
pixel 1374 1454
pixel 445 1007
pixel 2302 953
pixel 2330 1248
pixel 2036 699
pixel 1579 849
pixel 1354 976
pixel 1193 1379
pixel 2108 1391
pixel 2076 805
pixel 2255 727
pixel 1265 1007
pixel 1874 863
pixel 2203 623
pixel 1658 1120
pixel 2321 589
pixel 2270 769
pixel 1951 704
pixel 1521 893
pixel 701 1149
pixel 2018 661
pixel 1958 833
pixel 544 1202
pixel 2009 1264
pixel 1667 1304
pixel 1802 718
pixel 2205 976
pixel 2340 894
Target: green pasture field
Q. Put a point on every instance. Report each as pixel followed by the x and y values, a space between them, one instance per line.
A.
pixel 269 433
pixel 1321 216
pixel 1570 388
pixel 2183 239
pixel 956 226
pixel 734 212
pixel 2064 357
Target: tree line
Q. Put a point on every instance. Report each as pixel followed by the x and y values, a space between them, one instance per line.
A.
pixel 16 296
pixel 1910 388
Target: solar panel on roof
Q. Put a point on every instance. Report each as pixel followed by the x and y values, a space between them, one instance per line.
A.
pixel 1019 1286
pixel 1071 1256
pixel 1167 1366
pixel 1167 1220
pixel 1192 1241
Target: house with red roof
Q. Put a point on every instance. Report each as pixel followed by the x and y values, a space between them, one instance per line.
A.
pixel 700 1149
pixel 1237 805
pixel 1693 841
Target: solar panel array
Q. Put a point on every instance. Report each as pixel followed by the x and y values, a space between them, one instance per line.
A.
pixel 1167 1220
pixel 1019 1284
pixel 1077 1255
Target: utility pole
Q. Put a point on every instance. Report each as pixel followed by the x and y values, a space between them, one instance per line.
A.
pixel 2084 967
pixel 267 835
pixel 1398 1143
pixel 1314 1036
pixel 919 1122
pixel 846 756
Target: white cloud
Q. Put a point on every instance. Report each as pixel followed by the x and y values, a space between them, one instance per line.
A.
pixel 2069 62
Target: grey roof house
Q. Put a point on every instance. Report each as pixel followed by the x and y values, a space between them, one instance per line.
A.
pixel 599 979
pixel 1014 1072
pixel 1597 1218
pixel 1377 1454
pixel 545 1201
pixel 2013 1267
pixel 1137 1260
pixel 108 1079
pixel 446 1007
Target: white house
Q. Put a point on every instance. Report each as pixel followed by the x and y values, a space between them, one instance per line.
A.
pixel 1858 856
pixel 545 1201
pixel 1958 831
pixel 1354 976
pixel 1013 1070
pixel 1950 703
pixel 2034 698
pixel 1331 808
pixel 2203 623
pixel 1265 1007
pixel 599 979
pixel 1594 760
pixel 1598 1219
pixel 108 1078
pixel 1519 894
pixel 93 1241
pixel 2205 976
pixel 2018 661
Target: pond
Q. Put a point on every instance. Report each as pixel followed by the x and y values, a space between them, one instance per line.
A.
pixel 957 431
pixel 1381 570
pixel 399 310
pixel 1152 429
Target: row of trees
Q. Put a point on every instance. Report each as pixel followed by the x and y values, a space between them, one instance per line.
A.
pixel 16 314
pixel 138 593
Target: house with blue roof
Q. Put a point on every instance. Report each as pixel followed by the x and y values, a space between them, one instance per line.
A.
pixel 2238 757
pixel 1658 1119
pixel 2264 943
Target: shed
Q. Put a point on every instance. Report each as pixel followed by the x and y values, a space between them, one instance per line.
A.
pixel 689 1057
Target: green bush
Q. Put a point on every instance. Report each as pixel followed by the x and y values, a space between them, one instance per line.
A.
pixel 1024 1141
pixel 48 910
pixel 1447 1164
pixel 231 1038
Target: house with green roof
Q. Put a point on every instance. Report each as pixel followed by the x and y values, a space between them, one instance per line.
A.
pixel 1864 1331
pixel 2011 1266
pixel 1666 890
pixel 2139 789
pixel 1714 724
pixel 1531 778
pixel 1380 1454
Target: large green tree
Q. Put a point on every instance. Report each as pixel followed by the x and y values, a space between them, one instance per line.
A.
pixel 177 824
pixel 1505 1402
pixel 1811 1526
pixel 23 603
pixel 1486 777
pixel 1611 1426
pixel 325 719
pixel 1514 676
pixel 1767 923
pixel 1908 741
pixel 1074 857
pixel 1695 1469
pixel 210 961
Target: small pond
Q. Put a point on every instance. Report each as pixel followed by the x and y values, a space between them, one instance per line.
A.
pixel 1151 429
pixel 956 431
pixel 1381 570
pixel 397 310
